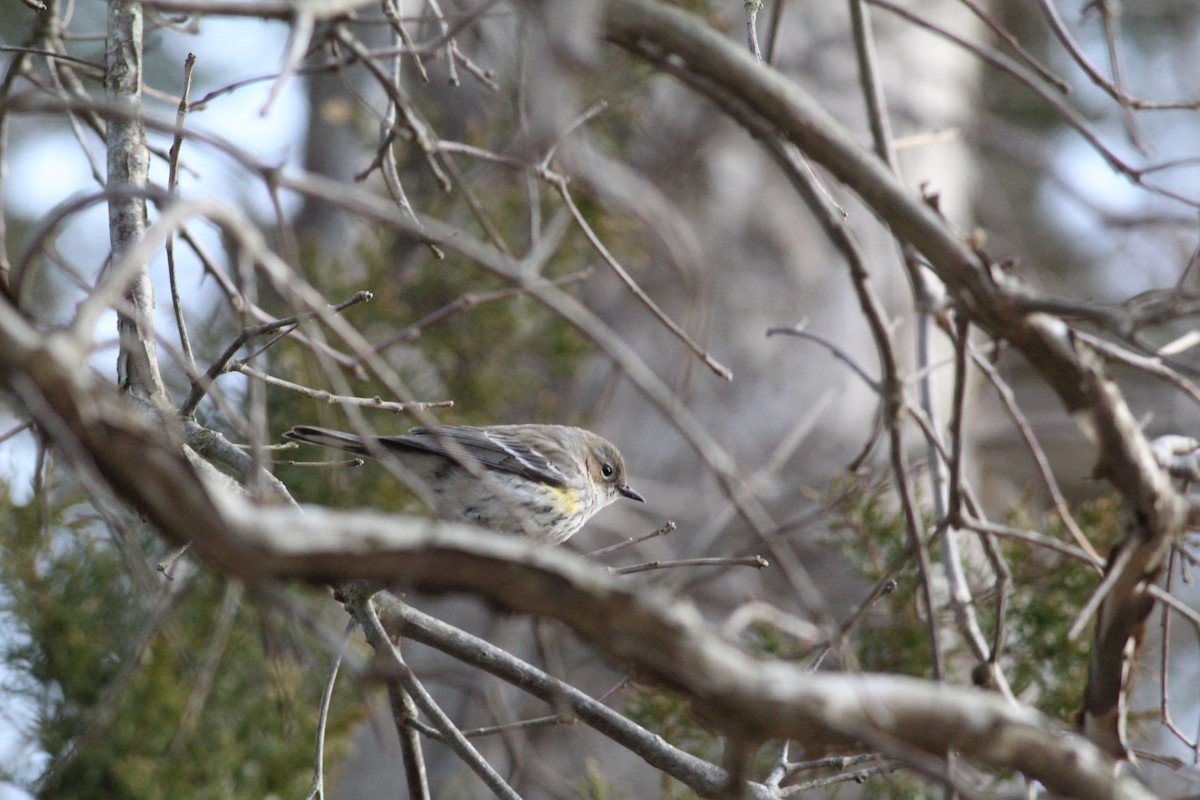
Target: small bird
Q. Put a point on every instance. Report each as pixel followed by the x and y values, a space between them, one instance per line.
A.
pixel 542 481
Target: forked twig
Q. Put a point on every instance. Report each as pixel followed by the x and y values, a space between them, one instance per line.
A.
pixel 200 387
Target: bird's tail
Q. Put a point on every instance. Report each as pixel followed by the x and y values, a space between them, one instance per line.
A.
pixel 328 438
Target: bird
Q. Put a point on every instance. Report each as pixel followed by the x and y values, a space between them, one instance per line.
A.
pixel 539 481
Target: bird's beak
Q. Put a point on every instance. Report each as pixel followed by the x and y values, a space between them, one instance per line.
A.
pixel 625 491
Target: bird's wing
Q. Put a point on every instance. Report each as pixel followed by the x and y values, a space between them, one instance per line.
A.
pixel 325 437
pixel 493 448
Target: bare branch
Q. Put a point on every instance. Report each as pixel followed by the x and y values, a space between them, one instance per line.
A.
pixel 747 696
pixel 359 605
pixel 978 288
pixel 262 9
pixel 128 165
pixel 323 396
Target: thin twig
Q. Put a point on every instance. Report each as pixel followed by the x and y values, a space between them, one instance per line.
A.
pixel 830 762
pixel 837 352
pixel 409 116
pixel 1113 573
pixel 452 70
pixel 666 529
pixel 359 603
pixel 317 790
pixel 328 397
pixel 1009 400
pixel 1155 366
pixel 299 36
pixel 892 390
pixel 484 76
pixel 24 426
pixel 1002 33
pixel 858 776
pixel 962 330
pixel 206 672
pixel 350 463
pixel 684 767
pixel 464 303
pixel 185 341
pixel 758 562
pixel 1072 117
pixel 885 586
pixel 200 387
pixel 891 386
pixel 550 721
pixel 1032 538
pixel 392 12
pixel 1164 662
pixel 560 183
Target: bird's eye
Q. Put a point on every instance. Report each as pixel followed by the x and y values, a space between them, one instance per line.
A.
pixel 606 470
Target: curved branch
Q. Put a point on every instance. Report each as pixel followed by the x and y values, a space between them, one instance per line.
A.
pixel 747 698
pixel 714 65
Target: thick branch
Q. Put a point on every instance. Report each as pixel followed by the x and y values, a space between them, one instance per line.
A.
pixel 994 302
pixel 716 66
pixel 128 165
pixel 747 698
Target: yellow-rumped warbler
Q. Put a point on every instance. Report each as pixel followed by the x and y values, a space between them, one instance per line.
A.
pixel 542 481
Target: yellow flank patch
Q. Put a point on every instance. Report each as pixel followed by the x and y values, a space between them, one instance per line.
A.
pixel 565 500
